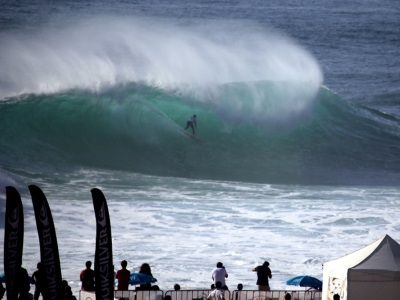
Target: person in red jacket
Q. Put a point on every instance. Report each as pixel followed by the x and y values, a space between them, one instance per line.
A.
pixel 87 278
pixel 123 277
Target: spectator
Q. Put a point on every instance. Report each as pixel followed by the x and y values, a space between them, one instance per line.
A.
pixel 115 274
pixel 39 278
pixel 288 296
pixel 87 278
pixel 240 287
pixel 219 274
pixel 263 274
pixel 218 293
pixel 177 287
pixel 68 294
pixel 2 291
pixel 145 269
pixel 22 283
pixel 64 284
pixel 123 277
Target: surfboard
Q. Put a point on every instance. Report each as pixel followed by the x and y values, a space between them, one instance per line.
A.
pixel 192 136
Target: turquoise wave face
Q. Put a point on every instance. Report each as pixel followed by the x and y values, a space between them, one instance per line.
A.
pixel 139 128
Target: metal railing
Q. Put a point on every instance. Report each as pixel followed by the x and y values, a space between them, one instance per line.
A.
pixel 275 295
pixel 203 294
pixel 192 294
pixel 127 295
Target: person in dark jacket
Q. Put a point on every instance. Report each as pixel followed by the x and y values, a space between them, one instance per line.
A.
pixel 145 269
pixel 22 282
pixel 39 278
pixel 263 275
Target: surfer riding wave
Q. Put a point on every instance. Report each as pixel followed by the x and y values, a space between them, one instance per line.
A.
pixel 192 123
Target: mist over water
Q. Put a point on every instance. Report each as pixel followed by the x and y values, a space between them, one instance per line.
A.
pixel 192 58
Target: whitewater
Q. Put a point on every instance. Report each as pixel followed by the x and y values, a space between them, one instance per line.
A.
pixel 298 159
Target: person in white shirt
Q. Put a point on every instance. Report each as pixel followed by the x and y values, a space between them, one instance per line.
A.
pixel 217 294
pixel 219 274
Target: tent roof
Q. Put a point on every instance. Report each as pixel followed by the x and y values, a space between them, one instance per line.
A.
pixel 383 254
pixel 386 256
pixel 368 271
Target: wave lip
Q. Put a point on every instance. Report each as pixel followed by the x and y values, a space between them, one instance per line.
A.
pixel 93 56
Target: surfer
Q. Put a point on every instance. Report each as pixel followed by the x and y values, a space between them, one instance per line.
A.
pixel 192 123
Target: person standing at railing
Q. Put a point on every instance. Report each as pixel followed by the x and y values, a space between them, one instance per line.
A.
pixel 87 277
pixel 218 293
pixel 219 274
pixel 68 294
pixel 263 275
pixel 2 290
pixel 39 278
pixel 123 275
pixel 145 269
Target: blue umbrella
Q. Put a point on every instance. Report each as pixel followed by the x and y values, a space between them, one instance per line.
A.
pixel 305 281
pixel 140 278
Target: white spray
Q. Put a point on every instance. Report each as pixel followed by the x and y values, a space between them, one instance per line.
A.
pixel 98 54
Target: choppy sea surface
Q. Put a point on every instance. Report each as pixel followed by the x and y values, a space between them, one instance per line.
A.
pixel 298 116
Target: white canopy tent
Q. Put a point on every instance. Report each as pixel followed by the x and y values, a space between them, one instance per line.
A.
pixel 372 273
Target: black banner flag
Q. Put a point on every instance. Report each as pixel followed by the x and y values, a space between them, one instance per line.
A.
pixel 13 240
pixel 49 255
pixel 103 261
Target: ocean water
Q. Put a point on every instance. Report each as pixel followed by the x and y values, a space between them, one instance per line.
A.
pixel 298 116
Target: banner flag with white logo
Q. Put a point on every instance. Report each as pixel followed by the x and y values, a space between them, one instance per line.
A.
pixel 49 255
pixel 103 261
pixel 13 240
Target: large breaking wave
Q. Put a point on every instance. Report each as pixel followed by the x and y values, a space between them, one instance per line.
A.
pixel 117 97
pixel 139 128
